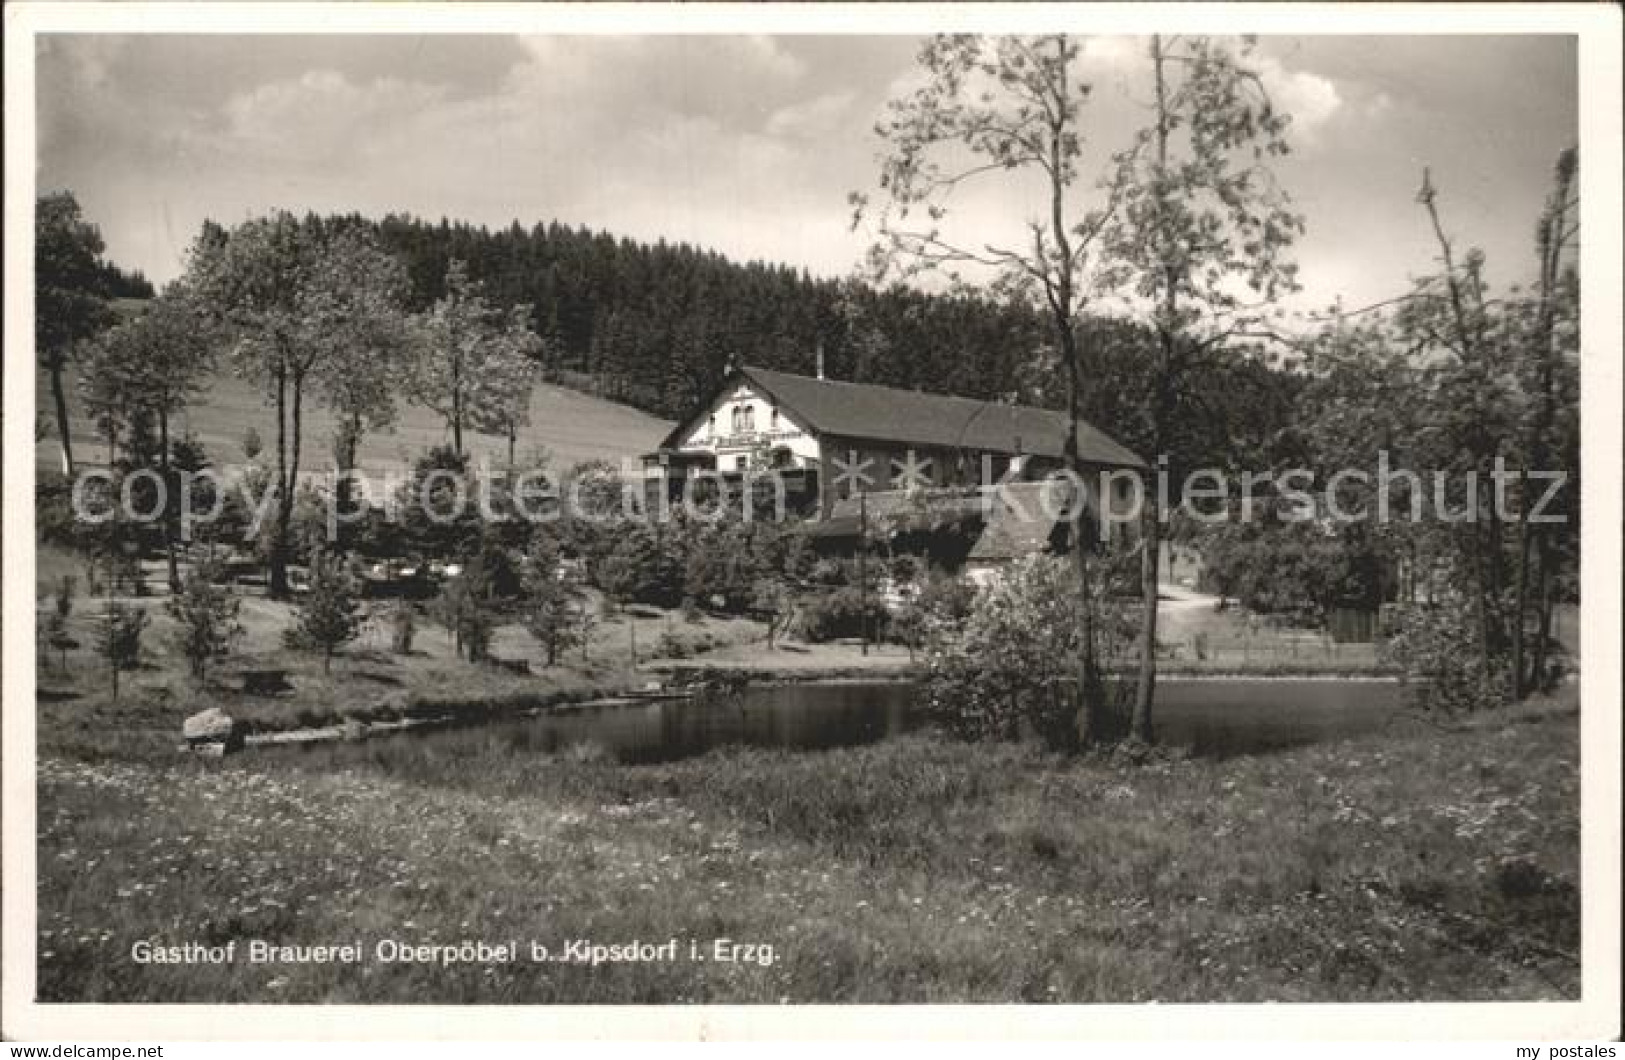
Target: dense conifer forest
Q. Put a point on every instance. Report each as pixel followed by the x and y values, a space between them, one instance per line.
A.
pixel 656 325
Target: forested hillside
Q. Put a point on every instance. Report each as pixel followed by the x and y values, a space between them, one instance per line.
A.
pixel 655 326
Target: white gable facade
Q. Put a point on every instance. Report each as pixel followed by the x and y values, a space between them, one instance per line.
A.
pixel 741 423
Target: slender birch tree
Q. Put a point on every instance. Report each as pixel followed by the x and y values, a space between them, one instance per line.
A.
pixel 299 296
pixel 1199 242
pixel 1181 223
pixel 69 305
pixel 475 362
pixel 1007 108
pixel 152 365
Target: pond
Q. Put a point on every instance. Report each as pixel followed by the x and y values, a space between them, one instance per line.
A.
pixel 1211 717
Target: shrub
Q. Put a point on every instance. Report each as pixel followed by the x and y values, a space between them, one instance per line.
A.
pixel 464 611
pixel 53 631
pixel 552 595
pixel 1009 668
pixel 403 627
pixel 54 520
pixel 329 615
pixel 205 615
pixel 841 613
pixel 1436 646
pixel 671 646
pixel 120 640
pixel 722 566
pixel 634 563
pixel 772 600
pixel 946 598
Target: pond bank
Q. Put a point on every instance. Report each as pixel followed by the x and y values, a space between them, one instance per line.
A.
pixel 915 870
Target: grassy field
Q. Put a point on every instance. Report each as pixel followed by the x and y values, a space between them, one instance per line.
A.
pixel 1420 864
pixel 367 681
pixel 571 426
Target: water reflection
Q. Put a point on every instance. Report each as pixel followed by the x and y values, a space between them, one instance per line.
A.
pixel 1212 718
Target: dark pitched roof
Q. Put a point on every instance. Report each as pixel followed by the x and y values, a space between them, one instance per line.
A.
pixel 1022 521
pixel 1010 521
pixel 886 414
pixel 905 511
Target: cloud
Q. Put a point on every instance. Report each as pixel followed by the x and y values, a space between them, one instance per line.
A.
pixel 747 145
pixel 819 116
pixel 322 116
pixel 1312 100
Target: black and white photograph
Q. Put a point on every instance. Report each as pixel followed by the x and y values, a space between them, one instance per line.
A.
pixel 534 509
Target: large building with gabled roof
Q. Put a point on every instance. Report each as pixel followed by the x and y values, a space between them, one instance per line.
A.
pixel 830 440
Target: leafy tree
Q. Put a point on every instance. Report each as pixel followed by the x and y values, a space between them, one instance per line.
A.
pixel 506 383
pixel 1006 107
pixel 552 598
pixel 1004 669
pixel 619 576
pixel 1551 432
pixel 70 302
pixel 471 357
pixel 721 567
pixel 437 511
pixel 403 626
pixel 772 599
pixel 329 614
pixel 362 397
pixel 54 631
pixel 1200 219
pixel 206 619
pixel 305 300
pixel 144 371
pixel 463 608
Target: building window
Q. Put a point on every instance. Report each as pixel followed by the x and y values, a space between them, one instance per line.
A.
pixel 742 462
pixel 773 420
pixel 711 425
pixel 744 419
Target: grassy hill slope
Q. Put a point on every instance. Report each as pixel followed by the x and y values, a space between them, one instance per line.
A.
pixel 570 425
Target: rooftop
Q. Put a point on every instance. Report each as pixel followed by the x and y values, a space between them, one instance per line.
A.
pixel 868 412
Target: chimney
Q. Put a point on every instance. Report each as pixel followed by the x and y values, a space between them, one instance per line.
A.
pixel 820 358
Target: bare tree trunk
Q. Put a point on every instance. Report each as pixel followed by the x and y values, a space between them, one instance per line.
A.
pixel 1520 606
pixel 457 405
pixel 285 509
pixel 169 502
pixel 1543 636
pixel 1467 352
pixel 1151 518
pixel 61 401
pixel 1145 689
pixel 279 539
pixel 1553 238
pixel 1062 298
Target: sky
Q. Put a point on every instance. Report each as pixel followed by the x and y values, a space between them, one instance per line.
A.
pixel 750 145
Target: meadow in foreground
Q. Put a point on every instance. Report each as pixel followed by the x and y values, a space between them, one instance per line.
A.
pixel 1417 864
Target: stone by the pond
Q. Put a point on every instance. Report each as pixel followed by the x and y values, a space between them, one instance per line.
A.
pixel 213 726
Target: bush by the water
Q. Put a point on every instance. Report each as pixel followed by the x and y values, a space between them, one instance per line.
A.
pixel 1437 647
pixel 1009 668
